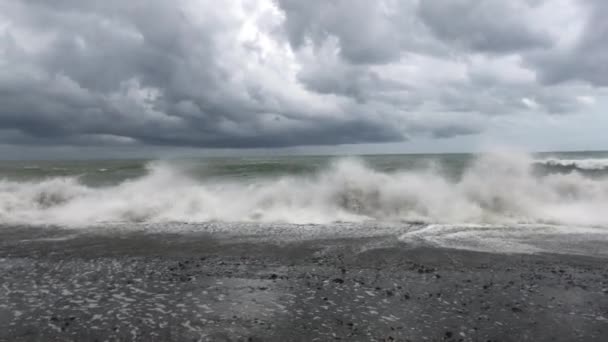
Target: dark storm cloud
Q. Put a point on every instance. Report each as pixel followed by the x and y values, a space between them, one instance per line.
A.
pixel 449 131
pixel 452 31
pixel 491 26
pixel 366 33
pixel 281 73
pixel 143 70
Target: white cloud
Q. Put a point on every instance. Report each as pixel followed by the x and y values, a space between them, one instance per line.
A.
pixel 586 100
pixel 530 103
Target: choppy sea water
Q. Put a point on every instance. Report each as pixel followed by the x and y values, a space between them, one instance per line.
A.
pixel 499 201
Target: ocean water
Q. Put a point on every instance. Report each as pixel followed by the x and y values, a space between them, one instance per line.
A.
pixel 457 200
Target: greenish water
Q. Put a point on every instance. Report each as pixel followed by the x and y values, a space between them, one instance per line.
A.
pixel 112 172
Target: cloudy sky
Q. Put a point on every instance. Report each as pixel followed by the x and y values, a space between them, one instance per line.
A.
pixel 132 77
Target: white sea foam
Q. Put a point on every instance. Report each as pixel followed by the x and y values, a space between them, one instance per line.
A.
pixel 495 189
pixel 518 238
pixel 583 164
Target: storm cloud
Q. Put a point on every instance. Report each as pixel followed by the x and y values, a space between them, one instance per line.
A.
pixel 287 72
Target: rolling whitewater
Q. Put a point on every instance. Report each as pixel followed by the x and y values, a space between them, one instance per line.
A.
pixel 457 199
pixel 503 188
pixel 393 247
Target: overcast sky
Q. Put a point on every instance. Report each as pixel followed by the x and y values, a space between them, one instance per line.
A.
pixel 118 77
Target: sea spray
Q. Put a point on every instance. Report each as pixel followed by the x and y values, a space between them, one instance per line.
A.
pixel 497 188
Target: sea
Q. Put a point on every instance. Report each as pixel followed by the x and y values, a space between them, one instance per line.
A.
pixel 502 201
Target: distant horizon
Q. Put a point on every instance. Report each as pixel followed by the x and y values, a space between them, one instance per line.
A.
pixel 265 154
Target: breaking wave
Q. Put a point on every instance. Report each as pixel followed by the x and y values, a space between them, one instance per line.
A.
pixel 592 164
pixel 494 189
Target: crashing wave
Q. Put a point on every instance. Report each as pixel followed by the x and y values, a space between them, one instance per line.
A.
pixel 497 188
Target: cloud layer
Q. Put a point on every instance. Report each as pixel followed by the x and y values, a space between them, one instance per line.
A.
pixel 288 72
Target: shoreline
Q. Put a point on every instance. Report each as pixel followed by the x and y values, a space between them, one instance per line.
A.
pixel 188 286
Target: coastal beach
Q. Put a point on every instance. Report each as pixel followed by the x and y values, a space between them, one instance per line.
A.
pixel 58 285
pixel 290 170
pixel 504 247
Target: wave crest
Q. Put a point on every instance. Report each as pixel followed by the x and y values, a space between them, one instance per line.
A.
pixel 591 164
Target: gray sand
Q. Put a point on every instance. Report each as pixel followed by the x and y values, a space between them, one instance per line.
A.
pixel 190 287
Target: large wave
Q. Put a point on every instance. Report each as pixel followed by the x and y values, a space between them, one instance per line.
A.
pixel 495 188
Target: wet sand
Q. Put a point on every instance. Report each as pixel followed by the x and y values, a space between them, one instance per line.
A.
pixel 61 286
